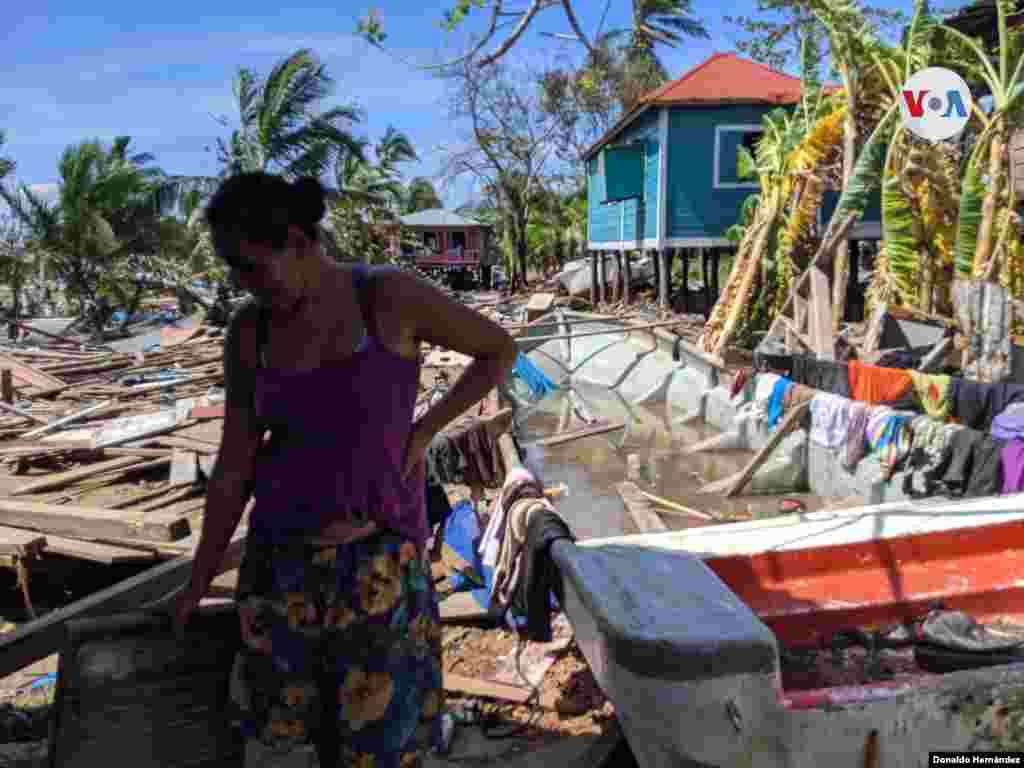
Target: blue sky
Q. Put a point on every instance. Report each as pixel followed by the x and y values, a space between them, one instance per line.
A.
pixel 160 72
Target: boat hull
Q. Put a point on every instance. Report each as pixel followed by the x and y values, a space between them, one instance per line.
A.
pixel 682 631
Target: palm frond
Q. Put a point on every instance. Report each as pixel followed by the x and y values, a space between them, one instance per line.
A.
pixel 972 196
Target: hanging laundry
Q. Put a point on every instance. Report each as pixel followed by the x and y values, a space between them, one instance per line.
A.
pixel 1009 424
pixel 856 441
pixel 880 386
pixel 878 421
pixel 933 393
pixel 540 576
pixel 929 455
pixel 776 403
pixel 509 563
pixel 978 403
pixel 1013 467
pixel 519 483
pixel 896 445
pixel 465 454
pixel 975 466
pixel 824 375
pixel 830 420
pixel 738 382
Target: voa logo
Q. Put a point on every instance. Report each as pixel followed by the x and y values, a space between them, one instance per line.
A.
pixel 936 104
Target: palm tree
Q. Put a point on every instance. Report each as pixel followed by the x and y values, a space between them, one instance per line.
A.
pixel 378 179
pixel 98 231
pixel 6 164
pixel 655 22
pixel 421 196
pixel 279 128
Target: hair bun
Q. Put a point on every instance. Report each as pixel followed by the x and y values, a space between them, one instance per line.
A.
pixel 309 206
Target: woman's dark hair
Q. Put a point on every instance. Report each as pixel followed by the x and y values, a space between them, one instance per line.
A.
pixel 259 207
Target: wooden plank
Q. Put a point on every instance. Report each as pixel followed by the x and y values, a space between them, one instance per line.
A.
pixel 90 522
pixel 789 423
pixel 95 552
pixel 461 606
pixel 28 376
pixel 471 686
pixel 189 444
pixel 577 434
pixel 819 319
pixel 15 542
pixel 68 419
pixel 639 508
pixel 538 305
pixel 64 479
pixel 45 636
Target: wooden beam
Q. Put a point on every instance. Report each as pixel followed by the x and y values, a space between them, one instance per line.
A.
pixel 90 522
pixel 45 636
pixel 578 434
pixel 790 422
pixel 27 375
pixel 64 479
pixel 640 509
pixel 93 551
pixel 15 542
pixel 820 315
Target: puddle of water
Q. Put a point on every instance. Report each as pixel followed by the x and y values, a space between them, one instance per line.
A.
pixel 592 466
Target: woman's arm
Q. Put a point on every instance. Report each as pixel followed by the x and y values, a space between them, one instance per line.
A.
pixel 230 482
pixel 430 316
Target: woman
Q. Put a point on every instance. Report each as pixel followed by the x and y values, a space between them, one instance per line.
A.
pixel 340 627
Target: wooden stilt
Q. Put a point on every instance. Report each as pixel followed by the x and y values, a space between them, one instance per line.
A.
pixel 6 386
pixel 663 279
pixel 657 270
pixel 593 278
pixel 685 253
pixel 705 272
pixel 617 289
pixel 670 261
pixel 627 279
pixel 602 278
pixel 716 261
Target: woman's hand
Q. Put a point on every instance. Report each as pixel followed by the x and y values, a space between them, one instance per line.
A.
pixel 416 448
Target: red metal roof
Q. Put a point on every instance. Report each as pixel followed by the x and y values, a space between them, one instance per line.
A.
pixel 726 78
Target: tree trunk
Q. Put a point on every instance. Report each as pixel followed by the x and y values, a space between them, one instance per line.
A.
pixel 841 262
pixel 987 227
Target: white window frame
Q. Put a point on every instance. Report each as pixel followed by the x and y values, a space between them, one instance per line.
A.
pixel 719 130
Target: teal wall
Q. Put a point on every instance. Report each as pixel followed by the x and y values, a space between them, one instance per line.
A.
pixel 604 220
pixel 695 207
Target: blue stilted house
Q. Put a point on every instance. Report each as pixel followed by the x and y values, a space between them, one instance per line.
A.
pixel 665 177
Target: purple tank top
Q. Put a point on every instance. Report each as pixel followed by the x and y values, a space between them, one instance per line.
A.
pixel 340 433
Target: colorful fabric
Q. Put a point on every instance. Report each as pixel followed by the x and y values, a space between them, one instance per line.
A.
pixel 354 650
pixel 856 442
pixel 459 553
pixel 933 393
pixel 830 420
pixel 1013 466
pixel 875 385
pixel 1009 425
pixel 777 401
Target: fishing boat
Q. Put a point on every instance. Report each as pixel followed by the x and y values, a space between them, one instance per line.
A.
pixel 693 635
pixel 576 278
pixel 724 645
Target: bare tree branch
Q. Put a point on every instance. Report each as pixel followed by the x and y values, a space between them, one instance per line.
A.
pixel 575 24
pixel 502 49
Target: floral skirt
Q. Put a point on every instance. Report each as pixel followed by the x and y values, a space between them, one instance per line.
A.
pixel 354 651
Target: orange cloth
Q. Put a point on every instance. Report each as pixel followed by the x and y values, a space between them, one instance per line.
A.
pixel 876 385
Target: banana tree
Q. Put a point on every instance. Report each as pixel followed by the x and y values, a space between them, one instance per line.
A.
pixel 851 41
pixel 982 198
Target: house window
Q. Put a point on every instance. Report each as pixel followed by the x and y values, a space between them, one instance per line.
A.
pixel 728 140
